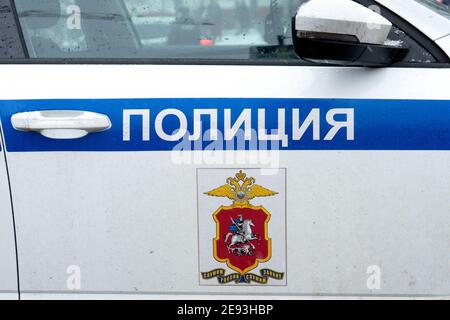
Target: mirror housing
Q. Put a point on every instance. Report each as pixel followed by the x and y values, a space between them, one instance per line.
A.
pixel 343 32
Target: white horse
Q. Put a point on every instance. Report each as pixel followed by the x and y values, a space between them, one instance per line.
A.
pixel 246 236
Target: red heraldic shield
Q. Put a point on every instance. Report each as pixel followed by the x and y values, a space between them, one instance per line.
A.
pixel 242 239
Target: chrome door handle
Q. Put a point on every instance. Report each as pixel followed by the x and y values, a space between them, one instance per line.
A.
pixel 61 124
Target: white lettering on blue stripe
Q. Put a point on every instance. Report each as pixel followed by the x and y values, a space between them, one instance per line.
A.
pixel 339 119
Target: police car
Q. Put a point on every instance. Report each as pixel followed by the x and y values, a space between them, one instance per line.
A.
pixel 211 149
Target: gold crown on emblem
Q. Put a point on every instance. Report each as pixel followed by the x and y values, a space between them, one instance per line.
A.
pixel 241 189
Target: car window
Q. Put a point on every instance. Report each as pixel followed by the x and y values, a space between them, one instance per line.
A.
pixel 170 29
pixel 10 45
pixel 209 29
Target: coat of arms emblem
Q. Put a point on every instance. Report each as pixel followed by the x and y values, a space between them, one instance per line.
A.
pixel 242 241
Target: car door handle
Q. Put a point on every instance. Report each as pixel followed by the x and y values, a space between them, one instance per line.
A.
pixel 61 124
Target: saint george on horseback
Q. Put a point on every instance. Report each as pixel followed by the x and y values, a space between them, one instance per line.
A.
pixel 241 234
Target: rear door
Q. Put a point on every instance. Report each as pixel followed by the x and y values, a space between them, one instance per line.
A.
pixel 181 151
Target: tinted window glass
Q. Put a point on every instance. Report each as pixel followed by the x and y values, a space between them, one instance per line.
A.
pixel 165 29
pixel 10 44
pixel 206 29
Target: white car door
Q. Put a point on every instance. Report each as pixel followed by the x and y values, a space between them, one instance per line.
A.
pixel 116 193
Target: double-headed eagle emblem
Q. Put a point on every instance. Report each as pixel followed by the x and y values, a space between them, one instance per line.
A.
pixel 241 189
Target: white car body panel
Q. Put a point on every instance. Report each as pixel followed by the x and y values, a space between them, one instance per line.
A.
pixel 430 23
pixel 100 210
pixel 157 81
pixel 444 43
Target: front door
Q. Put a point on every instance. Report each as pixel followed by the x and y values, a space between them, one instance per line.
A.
pixel 346 169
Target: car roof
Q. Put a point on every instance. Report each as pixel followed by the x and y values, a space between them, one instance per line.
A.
pixel 429 22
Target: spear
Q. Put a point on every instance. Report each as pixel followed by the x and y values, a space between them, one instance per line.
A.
pixel 234 222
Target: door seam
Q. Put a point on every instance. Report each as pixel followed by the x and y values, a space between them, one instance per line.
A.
pixel 2 141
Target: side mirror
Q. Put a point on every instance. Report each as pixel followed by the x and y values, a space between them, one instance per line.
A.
pixel 343 32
